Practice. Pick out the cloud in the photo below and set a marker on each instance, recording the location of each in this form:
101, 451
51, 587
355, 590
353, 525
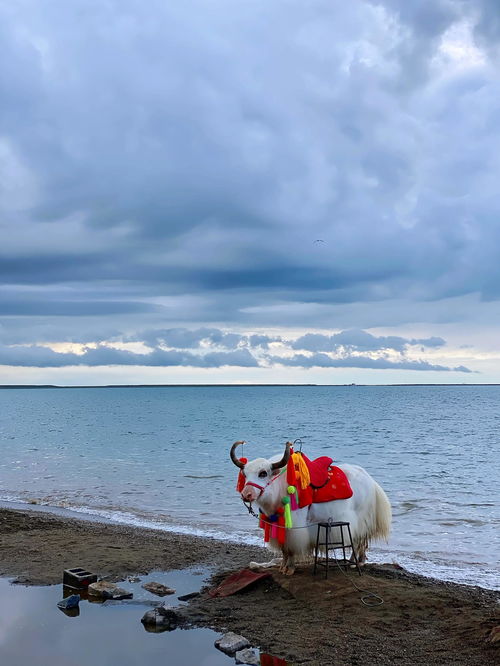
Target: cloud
321, 360
38, 356
172, 173
206, 348
184, 338
357, 339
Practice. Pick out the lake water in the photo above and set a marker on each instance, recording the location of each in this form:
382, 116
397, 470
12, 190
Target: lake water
159, 457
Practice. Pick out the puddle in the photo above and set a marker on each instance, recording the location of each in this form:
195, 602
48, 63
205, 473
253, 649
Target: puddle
34, 631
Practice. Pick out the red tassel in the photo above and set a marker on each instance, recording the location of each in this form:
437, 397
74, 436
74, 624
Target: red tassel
241, 477
267, 531
290, 470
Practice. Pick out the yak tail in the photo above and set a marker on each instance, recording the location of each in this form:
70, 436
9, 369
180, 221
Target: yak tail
383, 515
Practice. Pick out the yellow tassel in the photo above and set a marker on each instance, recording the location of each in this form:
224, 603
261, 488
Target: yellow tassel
301, 471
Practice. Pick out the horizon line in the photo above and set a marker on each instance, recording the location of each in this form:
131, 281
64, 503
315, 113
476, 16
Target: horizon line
236, 385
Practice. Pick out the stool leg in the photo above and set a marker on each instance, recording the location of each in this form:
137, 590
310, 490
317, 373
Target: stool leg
343, 543
353, 550
327, 545
316, 551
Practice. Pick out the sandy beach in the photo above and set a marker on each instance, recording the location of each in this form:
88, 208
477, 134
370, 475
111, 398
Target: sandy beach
304, 619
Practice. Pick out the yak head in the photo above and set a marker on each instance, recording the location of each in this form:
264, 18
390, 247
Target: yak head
259, 483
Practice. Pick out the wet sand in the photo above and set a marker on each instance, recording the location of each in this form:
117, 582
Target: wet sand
304, 619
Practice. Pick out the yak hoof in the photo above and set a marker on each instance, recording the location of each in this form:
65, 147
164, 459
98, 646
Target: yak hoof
287, 569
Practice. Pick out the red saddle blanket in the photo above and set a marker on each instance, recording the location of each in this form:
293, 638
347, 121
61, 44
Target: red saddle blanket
327, 482
318, 469
336, 487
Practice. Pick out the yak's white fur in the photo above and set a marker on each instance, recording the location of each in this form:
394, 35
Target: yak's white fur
368, 511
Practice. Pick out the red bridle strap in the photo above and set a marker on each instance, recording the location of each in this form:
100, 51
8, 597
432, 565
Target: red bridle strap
255, 485
262, 488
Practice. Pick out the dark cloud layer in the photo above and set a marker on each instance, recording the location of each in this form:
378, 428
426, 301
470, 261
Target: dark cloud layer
320, 360
185, 338
361, 340
199, 163
213, 348
36, 356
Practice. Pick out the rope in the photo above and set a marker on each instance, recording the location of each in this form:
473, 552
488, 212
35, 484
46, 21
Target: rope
377, 600
248, 506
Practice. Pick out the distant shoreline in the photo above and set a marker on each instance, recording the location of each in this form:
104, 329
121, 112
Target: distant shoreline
110, 386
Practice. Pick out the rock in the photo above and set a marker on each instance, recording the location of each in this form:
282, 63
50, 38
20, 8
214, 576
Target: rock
69, 602
160, 619
21, 580
134, 579
247, 656
158, 589
231, 643
104, 590
187, 597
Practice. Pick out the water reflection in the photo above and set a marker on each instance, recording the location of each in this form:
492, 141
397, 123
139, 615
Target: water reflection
33, 630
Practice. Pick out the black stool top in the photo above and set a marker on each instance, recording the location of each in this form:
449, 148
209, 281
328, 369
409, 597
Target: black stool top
338, 523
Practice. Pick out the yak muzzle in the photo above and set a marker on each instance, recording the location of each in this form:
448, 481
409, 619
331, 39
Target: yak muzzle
251, 492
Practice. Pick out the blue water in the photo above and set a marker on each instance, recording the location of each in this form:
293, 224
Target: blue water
159, 456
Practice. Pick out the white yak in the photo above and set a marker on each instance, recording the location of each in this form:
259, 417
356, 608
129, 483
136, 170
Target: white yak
368, 511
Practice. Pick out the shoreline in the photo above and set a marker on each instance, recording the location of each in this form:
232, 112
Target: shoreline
125, 518
37, 544
485, 578
303, 618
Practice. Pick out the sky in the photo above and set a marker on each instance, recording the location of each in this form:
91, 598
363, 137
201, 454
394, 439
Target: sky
211, 191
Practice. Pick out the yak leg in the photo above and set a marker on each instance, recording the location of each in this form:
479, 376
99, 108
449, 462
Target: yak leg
288, 565
284, 563
361, 546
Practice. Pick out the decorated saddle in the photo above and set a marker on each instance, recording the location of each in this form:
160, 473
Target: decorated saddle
317, 480
309, 482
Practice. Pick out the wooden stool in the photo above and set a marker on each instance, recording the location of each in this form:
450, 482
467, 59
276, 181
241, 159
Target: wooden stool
333, 545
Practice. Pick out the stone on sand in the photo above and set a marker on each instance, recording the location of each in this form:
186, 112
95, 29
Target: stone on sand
247, 656
104, 590
231, 643
160, 617
158, 589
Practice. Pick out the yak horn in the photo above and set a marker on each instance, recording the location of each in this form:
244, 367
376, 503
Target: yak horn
284, 460
236, 461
